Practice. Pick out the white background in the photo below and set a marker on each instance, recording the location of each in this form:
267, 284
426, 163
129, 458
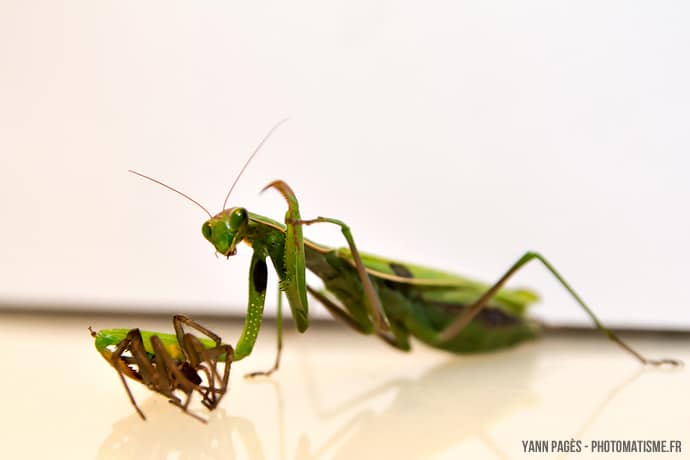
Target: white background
451, 134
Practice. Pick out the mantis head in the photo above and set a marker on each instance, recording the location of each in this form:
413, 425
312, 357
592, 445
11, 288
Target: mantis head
226, 229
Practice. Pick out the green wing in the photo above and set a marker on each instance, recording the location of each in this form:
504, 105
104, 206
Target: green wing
440, 286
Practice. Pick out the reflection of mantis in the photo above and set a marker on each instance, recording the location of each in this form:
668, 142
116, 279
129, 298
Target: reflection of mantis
130, 439
605, 402
169, 364
424, 421
374, 295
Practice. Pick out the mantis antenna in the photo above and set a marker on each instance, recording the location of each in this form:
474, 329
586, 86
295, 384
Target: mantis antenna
251, 157
171, 188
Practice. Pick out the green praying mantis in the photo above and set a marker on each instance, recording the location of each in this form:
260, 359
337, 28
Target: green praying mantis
374, 295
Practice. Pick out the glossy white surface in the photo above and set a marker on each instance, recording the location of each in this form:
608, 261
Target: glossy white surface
340, 395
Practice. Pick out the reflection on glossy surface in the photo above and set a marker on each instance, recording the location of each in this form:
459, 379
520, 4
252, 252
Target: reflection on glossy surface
439, 406
340, 395
418, 403
422, 408
169, 436
462, 404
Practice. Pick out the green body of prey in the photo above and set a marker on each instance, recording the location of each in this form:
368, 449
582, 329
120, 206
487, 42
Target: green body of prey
106, 339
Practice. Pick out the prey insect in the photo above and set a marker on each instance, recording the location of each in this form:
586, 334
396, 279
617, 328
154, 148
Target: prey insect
169, 364
375, 295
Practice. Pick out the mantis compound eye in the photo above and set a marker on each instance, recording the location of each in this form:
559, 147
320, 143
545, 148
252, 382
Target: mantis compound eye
237, 218
206, 230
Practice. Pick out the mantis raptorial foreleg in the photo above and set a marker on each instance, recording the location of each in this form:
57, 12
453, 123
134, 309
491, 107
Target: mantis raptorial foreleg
374, 306
292, 273
279, 334
466, 316
293, 276
258, 279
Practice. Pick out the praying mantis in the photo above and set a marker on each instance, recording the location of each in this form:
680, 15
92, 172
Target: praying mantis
373, 295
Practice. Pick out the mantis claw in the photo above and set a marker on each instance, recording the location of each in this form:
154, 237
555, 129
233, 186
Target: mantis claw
669, 361
253, 375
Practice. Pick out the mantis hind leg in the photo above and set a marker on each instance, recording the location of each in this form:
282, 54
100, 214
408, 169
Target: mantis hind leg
464, 319
291, 268
400, 339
